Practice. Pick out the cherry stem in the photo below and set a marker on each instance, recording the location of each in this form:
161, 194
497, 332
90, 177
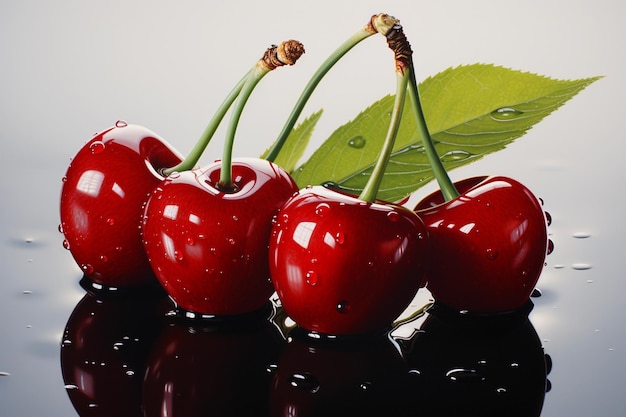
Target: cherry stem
194, 156
370, 190
371, 28
448, 190
286, 53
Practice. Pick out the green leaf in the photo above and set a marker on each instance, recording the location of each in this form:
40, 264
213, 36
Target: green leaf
296, 143
471, 111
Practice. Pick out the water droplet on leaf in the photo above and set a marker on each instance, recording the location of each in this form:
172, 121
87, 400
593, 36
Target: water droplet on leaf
453, 156
506, 113
357, 142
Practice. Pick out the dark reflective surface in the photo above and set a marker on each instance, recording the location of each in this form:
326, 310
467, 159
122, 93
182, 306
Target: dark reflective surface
72, 68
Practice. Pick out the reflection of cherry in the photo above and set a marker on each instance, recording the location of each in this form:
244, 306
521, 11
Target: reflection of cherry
465, 365
103, 352
211, 368
339, 377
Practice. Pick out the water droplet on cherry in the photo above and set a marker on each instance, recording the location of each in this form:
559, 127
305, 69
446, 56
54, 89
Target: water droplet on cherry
104, 258
96, 147
178, 255
548, 218
322, 209
550, 247
357, 142
110, 221
536, 293
340, 238
121, 123
64, 179
492, 254
393, 216
343, 307
311, 278
87, 269
190, 241
60, 228
66, 244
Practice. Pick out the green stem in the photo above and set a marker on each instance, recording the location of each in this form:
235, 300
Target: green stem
448, 190
254, 76
350, 43
373, 183
194, 156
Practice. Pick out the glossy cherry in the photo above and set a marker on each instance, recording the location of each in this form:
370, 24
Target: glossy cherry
488, 245
102, 197
209, 246
344, 266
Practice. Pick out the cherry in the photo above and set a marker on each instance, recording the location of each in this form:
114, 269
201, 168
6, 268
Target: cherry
208, 246
102, 197
343, 264
206, 231
496, 233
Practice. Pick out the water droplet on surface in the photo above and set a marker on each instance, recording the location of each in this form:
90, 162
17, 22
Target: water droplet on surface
190, 241
393, 216
548, 218
96, 147
357, 142
322, 209
64, 179
464, 375
178, 255
130, 372
581, 235
110, 221
453, 156
365, 385
87, 269
536, 293
3, 373
66, 244
581, 266
121, 123
311, 277
501, 390
104, 258
231, 240
506, 113
340, 238
343, 307
304, 381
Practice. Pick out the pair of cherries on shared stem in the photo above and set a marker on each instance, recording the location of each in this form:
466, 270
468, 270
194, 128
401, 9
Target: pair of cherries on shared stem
124, 222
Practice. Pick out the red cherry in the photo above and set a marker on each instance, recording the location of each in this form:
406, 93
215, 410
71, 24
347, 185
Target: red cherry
488, 246
207, 246
102, 198
344, 266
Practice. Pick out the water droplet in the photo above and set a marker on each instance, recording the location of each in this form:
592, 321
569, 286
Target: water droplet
340, 238
110, 221
453, 156
304, 381
322, 209
365, 385
581, 235
506, 113
60, 228
178, 255
66, 244
130, 372
548, 218
536, 293
104, 258
550, 246
343, 307
64, 179
96, 147
501, 390
235, 218
357, 142
581, 266
121, 123
311, 277
492, 254
465, 375
393, 216
231, 240
87, 269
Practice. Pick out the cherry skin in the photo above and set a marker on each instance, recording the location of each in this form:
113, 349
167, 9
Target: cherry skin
209, 247
343, 266
102, 198
488, 246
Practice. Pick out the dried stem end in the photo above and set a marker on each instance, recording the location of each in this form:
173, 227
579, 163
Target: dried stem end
285, 53
382, 23
399, 44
